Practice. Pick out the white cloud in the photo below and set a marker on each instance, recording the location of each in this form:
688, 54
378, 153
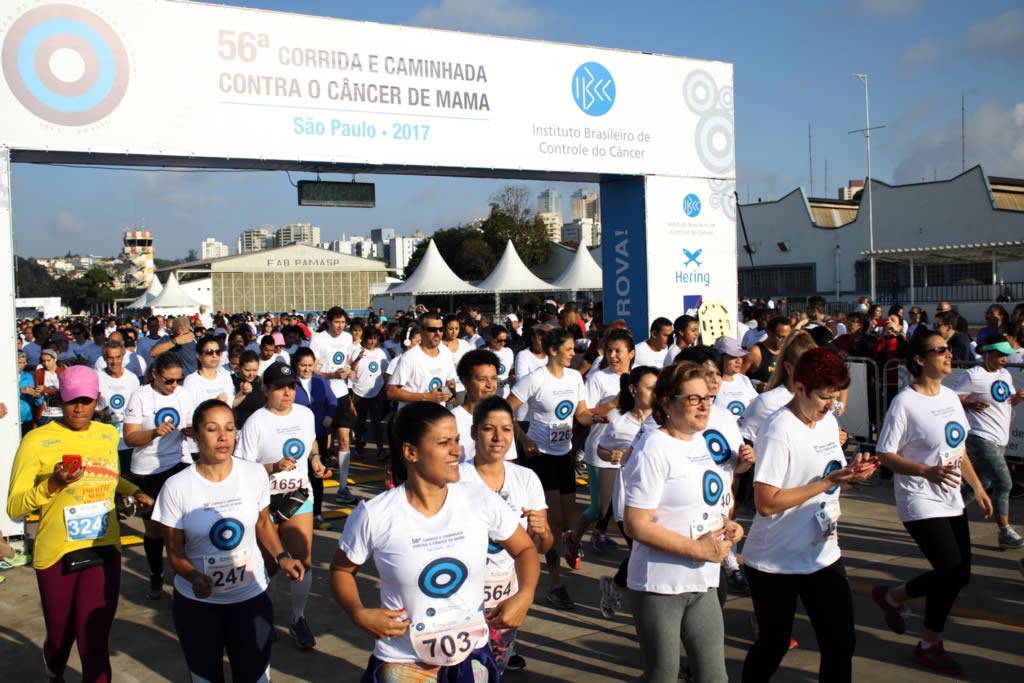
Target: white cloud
887, 8
493, 16
920, 54
995, 139
68, 223
999, 36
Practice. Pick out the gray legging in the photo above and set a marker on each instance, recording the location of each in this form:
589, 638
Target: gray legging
697, 618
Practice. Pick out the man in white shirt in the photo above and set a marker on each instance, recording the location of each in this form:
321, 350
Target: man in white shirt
652, 351
427, 372
205, 318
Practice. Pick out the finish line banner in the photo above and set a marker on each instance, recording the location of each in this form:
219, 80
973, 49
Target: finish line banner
182, 79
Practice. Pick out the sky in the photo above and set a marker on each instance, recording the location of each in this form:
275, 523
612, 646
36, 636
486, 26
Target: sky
793, 61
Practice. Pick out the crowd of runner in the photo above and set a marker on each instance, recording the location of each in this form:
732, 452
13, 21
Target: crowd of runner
220, 430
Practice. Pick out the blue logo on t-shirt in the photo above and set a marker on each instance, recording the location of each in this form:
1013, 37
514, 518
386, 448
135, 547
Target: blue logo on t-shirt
167, 415
829, 469
435, 384
116, 401
374, 366
293, 448
226, 534
442, 578
955, 434
1000, 390
564, 410
712, 486
718, 447
339, 358
736, 408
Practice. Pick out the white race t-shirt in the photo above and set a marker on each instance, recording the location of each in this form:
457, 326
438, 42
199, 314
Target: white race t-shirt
331, 354
621, 432
521, 489
996, 389
929, 430
788, 455
433, 567
506, 361
420, 373
735, 396
680, 482
551, 404
464, 347
148, 408
113, 397
601, 387
645, 355
219, 520
670, 356
370, 373
266, 438
763, 406
464, 423
133, 363
526, 363
203, 389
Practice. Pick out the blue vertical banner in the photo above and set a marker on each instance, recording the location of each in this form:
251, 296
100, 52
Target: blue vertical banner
624, 253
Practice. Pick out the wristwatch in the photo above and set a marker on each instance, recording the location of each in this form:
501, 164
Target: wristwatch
282, 556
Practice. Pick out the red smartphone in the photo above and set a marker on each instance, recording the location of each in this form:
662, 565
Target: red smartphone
71, 463
864, 468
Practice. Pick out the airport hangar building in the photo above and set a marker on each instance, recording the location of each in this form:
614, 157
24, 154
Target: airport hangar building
958, 234
297, 277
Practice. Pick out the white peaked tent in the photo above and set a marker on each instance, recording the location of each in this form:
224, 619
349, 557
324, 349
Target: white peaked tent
512, 275
583, 273
433, 276
173, 300
146, 298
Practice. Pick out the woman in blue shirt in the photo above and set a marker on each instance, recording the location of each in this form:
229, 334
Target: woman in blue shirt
314, 392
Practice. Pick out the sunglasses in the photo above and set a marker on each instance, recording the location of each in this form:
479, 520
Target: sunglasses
433, 330
940, 350
170, 380
210, 352
500, 341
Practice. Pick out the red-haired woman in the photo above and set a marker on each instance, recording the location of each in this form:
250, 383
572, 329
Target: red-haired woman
793, 550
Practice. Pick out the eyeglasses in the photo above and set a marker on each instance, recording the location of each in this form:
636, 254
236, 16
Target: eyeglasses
433, 330
940, 350
696, 400
170, 380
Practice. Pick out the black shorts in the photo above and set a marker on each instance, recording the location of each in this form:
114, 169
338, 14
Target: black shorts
556, 472
343, 416
150, 484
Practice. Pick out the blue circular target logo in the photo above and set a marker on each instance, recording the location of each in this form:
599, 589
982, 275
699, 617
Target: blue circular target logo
736, 408
65, 64
442, 578
1000, 390
493, 548
435, 384
339, 358
116, 401
563, 410
167, 415
501, 370
293, 448
593, 89
374, 366
718, 447
226, 534
712, 487
829, 469
955, 434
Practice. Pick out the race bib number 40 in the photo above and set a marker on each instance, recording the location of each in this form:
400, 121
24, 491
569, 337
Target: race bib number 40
87, 522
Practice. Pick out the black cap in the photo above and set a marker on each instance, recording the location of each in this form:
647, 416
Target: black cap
278, 375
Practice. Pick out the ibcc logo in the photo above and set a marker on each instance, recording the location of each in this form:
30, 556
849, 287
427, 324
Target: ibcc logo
593, 89
691, 205
65, 65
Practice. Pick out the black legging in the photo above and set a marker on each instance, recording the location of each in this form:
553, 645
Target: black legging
946, 542
623, 573
316, 483
826, 597
372, 408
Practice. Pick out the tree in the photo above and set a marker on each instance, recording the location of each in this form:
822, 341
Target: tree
192, 255
33, 280
464, 249
513, 218
81, 293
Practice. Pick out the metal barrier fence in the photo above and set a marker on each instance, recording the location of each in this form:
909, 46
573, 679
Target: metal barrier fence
860, 415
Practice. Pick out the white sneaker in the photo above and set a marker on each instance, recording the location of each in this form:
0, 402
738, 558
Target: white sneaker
611, 598
1009, 539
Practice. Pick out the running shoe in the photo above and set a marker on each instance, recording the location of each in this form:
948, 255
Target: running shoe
302, 634
737, 582
383, 455
558, 597
611, 598
18, 559
572, 552
344, 496
895, 617
515, 663
1009, 539
936, 658
156, 587
322, 524
599, 542
757, 632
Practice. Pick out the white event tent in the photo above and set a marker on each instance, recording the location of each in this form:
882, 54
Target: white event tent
152, 292
512, 275
173, 300
432, 276
582, 274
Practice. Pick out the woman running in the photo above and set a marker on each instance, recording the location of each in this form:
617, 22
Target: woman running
370, 368
155, 426
210, 380
735, 392
519, 487
792, 550
922, 442
314, 392
77, 554
530, 358
673, 513
553, 396
429, 538
281, 436
780, 390
216, 522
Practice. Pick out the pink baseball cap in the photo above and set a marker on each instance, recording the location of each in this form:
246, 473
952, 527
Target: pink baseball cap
278, 339
78, 381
